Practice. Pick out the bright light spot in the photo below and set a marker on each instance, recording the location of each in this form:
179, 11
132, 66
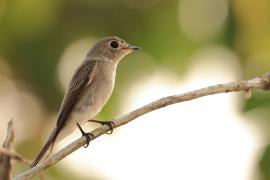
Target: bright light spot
205, 138
19, 104
202, 20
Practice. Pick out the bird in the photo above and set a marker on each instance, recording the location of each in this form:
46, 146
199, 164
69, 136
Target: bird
89, 90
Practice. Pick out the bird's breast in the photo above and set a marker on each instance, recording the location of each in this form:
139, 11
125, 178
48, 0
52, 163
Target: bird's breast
96, 93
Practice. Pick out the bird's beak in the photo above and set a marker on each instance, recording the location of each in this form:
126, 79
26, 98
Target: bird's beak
133, 48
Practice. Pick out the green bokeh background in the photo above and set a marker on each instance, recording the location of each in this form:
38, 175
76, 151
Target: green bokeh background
35, 33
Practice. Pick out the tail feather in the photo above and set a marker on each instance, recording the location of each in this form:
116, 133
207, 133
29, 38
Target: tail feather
44, 150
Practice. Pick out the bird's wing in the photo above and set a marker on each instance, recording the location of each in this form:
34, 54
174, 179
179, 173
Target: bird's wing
83, 76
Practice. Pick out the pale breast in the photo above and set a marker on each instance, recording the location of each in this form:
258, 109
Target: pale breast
97, 93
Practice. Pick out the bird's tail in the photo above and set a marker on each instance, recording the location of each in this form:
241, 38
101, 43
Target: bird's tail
44, 151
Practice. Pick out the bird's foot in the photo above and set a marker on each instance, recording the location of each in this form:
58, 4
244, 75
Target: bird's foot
111, 124
86, 135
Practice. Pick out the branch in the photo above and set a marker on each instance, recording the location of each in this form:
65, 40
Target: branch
262, 83
15, 156
5, 161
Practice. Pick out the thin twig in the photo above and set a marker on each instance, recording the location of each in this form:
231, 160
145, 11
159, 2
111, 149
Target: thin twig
15, 156
5, 161
262, 83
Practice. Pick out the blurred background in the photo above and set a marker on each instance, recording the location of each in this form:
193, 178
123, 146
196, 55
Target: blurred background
186, 44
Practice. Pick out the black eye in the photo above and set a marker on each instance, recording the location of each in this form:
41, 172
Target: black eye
114, 44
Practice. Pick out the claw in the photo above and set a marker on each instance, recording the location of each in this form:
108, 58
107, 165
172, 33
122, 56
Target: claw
86, 135
111, 124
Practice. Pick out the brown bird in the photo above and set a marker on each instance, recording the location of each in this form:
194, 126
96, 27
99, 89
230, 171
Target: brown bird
89, 90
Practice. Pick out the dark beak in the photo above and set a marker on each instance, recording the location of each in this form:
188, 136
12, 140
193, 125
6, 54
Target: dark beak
132, 47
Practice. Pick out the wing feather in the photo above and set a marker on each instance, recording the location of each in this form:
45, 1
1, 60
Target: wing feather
82, 76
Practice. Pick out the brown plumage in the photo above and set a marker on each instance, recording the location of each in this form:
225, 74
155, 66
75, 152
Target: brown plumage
89, 89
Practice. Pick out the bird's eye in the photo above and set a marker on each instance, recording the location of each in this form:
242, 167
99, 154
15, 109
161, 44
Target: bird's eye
114, 44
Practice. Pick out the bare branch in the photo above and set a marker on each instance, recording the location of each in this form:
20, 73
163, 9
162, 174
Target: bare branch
15, 156
262, 83
5, 161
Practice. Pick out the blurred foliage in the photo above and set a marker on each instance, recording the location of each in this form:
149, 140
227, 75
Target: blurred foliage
265, 164
35, 33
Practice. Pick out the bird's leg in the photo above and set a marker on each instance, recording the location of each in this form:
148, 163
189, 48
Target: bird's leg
86, 135
111, 124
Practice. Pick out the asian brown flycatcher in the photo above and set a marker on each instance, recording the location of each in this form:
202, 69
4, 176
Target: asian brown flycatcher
89, 90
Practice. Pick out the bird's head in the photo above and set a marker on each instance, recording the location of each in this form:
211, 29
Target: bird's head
112, 48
